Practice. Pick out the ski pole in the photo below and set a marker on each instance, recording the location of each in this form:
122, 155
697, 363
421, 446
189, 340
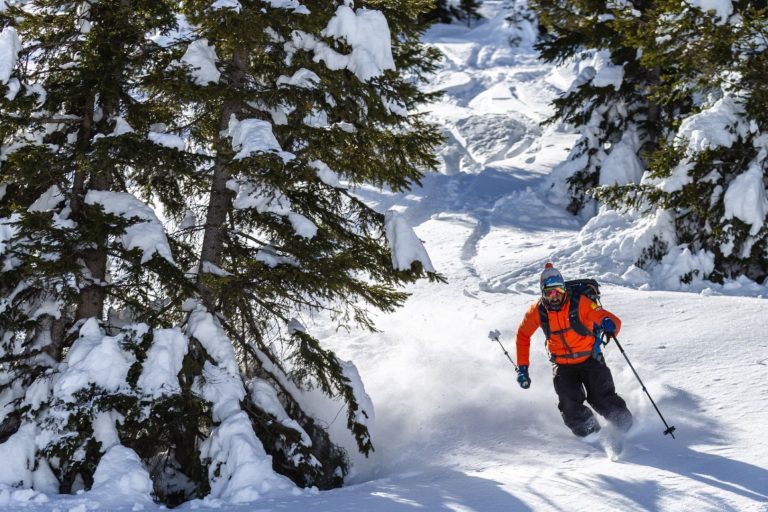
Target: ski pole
669, 429
494, 335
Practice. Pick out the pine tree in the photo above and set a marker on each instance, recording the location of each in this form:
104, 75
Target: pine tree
443, 11
78, 239
683, 68
713, 187
249, 148
448, 11
468, 10
609, 103
282, 236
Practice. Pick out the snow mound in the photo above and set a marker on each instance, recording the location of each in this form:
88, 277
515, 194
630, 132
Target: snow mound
405, 245
367, 32
121, 473
18, 456
488, 138
93, 359
161, 368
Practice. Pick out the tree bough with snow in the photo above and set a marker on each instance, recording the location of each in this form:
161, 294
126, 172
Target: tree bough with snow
670, 113
174, 197
709, 172
609, 102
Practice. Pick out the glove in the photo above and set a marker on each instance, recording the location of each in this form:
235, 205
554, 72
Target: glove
522, 377
609, 328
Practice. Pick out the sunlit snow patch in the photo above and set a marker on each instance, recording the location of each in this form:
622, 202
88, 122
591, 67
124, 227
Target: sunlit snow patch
146, 235
201, 58
405, 245
10, 46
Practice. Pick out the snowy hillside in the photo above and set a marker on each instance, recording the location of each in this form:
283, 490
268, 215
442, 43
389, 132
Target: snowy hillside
453, 431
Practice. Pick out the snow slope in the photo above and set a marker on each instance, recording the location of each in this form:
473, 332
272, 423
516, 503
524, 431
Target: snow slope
453, 430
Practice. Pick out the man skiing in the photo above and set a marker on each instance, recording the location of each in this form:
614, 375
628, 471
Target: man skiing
579, 369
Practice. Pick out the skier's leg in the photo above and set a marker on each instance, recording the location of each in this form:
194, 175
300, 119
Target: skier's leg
570, 393
601, 394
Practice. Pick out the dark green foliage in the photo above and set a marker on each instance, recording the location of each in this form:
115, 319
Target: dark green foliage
110, 78
67, 256
442, 11
578, 31
323, 465
468, 11
678, 61
448, 11
700, 56
55, 263
345, 266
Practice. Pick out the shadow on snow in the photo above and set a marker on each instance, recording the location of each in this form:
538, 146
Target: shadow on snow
433, 491
502, 198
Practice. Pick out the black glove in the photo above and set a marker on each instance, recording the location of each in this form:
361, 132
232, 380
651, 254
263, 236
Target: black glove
522, 377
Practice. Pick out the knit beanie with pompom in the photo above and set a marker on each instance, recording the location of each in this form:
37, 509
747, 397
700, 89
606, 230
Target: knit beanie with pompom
550, 277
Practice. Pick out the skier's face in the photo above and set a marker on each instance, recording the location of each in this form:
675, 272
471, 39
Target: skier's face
554, 296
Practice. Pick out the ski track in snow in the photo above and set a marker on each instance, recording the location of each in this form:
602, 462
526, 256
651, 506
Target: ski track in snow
453, 431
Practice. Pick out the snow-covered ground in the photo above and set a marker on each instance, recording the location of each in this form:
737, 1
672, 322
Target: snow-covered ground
453, 431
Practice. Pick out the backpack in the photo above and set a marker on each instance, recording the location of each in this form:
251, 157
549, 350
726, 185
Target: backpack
575, 288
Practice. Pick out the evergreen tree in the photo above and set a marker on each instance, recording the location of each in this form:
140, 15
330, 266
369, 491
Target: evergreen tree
183, 345
709, 174
448, 11
79, 240
443, 11
282, 236
609, 102
80, 244
468, 11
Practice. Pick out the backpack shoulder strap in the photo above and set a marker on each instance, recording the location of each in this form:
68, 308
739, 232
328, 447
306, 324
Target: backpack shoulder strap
544, 319
574, 318
575, 293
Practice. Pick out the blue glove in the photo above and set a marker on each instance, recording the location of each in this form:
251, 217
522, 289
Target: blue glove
609, 329
522, 377
608, 326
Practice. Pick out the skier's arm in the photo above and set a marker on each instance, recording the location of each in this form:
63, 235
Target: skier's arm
528, 326
594, 314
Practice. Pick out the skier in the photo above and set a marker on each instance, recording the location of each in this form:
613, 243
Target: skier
580, 371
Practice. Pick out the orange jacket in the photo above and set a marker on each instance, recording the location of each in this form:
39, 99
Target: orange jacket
564, 345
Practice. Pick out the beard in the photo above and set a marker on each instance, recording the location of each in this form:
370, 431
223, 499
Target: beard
555, 304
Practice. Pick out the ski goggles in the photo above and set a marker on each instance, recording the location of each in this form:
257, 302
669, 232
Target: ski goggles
553, 291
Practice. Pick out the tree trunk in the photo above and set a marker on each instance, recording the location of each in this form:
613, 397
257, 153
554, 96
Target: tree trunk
91, 303
220, 201
91, 300
653, 127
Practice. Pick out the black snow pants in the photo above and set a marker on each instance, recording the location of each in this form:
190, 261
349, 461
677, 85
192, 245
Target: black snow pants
590, 381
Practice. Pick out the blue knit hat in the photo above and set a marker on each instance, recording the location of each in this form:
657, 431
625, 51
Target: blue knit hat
550, 277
